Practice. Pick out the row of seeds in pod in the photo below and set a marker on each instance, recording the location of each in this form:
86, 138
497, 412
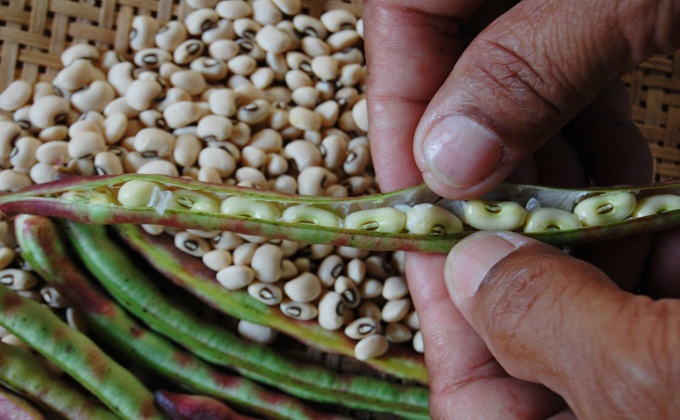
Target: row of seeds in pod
296, 123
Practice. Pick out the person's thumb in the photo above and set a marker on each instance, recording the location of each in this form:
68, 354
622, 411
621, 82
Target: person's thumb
555, 320
524, 77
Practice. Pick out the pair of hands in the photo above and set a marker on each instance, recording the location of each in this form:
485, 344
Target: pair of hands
514, 328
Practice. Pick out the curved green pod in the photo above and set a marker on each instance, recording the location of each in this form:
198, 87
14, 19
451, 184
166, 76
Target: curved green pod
184, 203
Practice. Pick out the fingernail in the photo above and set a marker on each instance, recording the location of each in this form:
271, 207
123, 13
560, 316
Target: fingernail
461, 152
470, 261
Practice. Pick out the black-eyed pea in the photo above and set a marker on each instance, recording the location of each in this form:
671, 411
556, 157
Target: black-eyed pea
304, 288
268, 140
309, 26
347, 288
217, 158
242, 64
395, 288
243, 253
338, 19
317, 252
304, 118
362, 327
254, 112
201, 20
246, 28
17, 279
330, 269
93, 97
331, 311
325, 67
184, 113
235, 277
349, 252
121, 77
16, 95
303, 264
289, 7
256, 333
314, 46
7, 235
73, 77
142, 93
252, 156
53, 152
370, 288
152, 58
9, 133
143, 32
306, 96
170, 35
412, 320
233, 9
398, 333
83, 166
152, 118
76, 320
314, 180
277, 62
191, 244
159, 167
191, 81
186, 149
356, 270
214, 128
188, 51
121, 106
262, 77
297, 78
251, 175
329, 111
23, 154
227, 241
265, 12
266, 263
351, 55
347, 97
276, 165
223, 29
217, 259
398, 261
114, 128
79, 51
86, 144
7, 255
41, 89
211, 69
326, 89
272, 39
108, 163
109, 59
605, 208
209, 174
395, 310
342, 39
288, 269
357, 160
267, 293
299, 310
278, 116
52, 297
336, 191
224, 49
255, 239
418, 343
22, 117
172, 96
303, 153
360, 114
285, 184
352, 74
48, 111
378, 267
223, 102
371, 347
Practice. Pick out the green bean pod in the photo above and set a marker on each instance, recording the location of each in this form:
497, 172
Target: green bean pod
46, 253
189, 407
133, 289
195, 278
26, 374
183, 203
77, 355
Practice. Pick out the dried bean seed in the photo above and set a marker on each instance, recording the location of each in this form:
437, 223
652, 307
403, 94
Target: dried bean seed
347, 288
395, 310
304, 288
16, 95
371, 347
269, 294
235, 277
233, 9
418, 344
266, 263
171, 35
362, 327
398, 333
370, 288
256, 333
191, 244
17, 279
299, 310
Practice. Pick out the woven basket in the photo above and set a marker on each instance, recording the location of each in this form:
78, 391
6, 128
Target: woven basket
34, 33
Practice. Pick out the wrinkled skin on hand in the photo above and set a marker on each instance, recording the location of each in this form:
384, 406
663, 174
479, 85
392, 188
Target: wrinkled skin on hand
535, 98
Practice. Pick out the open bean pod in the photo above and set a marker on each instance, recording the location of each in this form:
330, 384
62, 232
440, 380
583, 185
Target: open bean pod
413, 219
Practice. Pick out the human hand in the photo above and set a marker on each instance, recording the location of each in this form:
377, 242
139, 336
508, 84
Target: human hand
541, 68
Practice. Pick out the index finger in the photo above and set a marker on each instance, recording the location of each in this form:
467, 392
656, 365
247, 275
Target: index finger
411, 47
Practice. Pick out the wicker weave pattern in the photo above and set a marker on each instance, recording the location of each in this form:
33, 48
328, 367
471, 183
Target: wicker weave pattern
33, 33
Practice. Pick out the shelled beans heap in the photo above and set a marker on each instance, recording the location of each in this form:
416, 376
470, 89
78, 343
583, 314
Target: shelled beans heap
245, 93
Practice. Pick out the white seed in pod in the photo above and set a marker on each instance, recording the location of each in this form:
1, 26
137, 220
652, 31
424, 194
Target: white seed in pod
299, 310
227, 241
23, 155
395, 288
330, 269
395, 310
16, 95
233, 9
545, 219
171, 35
370, 288
266, 263
256, 333
371, 347
191, 244
385, 219
605, 208
304, 118
235, 277
214, 128
86, 145
656, 204
17, 279
137, 193
481, 214
267, 293
217, 259
362, 327
348, 290
418, 343
48, 111
331, 311
398, 333
304, 288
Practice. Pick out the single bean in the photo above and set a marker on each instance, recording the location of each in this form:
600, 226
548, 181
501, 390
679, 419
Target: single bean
546, 219
486, 215
605, 208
